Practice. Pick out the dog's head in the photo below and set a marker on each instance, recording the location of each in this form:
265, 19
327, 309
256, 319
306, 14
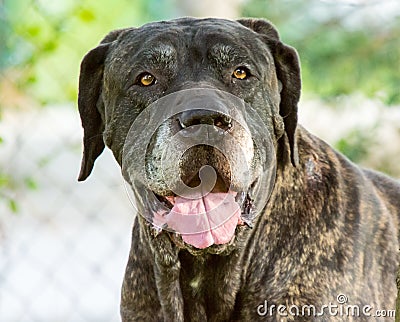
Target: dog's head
196, 111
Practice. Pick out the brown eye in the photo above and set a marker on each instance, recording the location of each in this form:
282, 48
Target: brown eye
240, 73
147, 79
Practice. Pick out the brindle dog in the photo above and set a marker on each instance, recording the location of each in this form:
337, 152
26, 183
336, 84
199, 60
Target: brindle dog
329, 228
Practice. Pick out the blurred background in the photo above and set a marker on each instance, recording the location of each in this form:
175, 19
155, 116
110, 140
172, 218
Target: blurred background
64, 245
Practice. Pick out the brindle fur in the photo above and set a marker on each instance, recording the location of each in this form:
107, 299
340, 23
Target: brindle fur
329, 227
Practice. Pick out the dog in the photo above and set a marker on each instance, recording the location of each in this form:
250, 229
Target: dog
179, 102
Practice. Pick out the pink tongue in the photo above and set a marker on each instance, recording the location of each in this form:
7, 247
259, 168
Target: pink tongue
205, 221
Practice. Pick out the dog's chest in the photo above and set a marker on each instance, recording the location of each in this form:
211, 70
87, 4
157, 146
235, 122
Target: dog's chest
209, 284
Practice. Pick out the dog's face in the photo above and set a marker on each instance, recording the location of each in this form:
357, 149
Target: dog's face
195, 112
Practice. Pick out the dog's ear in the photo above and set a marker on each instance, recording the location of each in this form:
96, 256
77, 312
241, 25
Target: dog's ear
90, 86
288, 72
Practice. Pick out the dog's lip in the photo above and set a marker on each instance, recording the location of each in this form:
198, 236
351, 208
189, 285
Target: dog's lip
169, 200
214, 249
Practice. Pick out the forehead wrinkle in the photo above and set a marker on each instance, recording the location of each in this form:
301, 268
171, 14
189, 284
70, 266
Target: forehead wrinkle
223, 54
160, 56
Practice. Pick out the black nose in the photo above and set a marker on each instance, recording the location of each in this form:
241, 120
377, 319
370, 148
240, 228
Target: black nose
198, 116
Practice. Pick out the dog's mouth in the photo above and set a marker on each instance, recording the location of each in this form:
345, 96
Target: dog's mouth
242, 198
210, 219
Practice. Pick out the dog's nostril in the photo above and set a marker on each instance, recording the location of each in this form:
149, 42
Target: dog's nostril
223, 122
195, 122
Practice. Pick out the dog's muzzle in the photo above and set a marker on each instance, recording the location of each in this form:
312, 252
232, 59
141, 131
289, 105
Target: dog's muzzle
200, 163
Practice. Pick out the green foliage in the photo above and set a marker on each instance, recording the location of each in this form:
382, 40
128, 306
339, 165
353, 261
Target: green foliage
337, 59
12, 204
9, 185
355, 145
47, 40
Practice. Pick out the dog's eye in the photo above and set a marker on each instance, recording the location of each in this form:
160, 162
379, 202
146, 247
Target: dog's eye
241, 73
146, 79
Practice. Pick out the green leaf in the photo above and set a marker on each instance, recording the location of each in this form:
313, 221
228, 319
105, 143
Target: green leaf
31, 183
12, 204
86, 15
355, 144
49, 46
33, 31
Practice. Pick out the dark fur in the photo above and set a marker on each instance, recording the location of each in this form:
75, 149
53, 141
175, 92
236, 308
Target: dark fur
329, 227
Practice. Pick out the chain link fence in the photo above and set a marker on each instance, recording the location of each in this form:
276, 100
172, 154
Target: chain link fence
64, 252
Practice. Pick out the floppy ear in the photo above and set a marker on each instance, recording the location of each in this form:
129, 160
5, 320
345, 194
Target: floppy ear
288, 72
90, 86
